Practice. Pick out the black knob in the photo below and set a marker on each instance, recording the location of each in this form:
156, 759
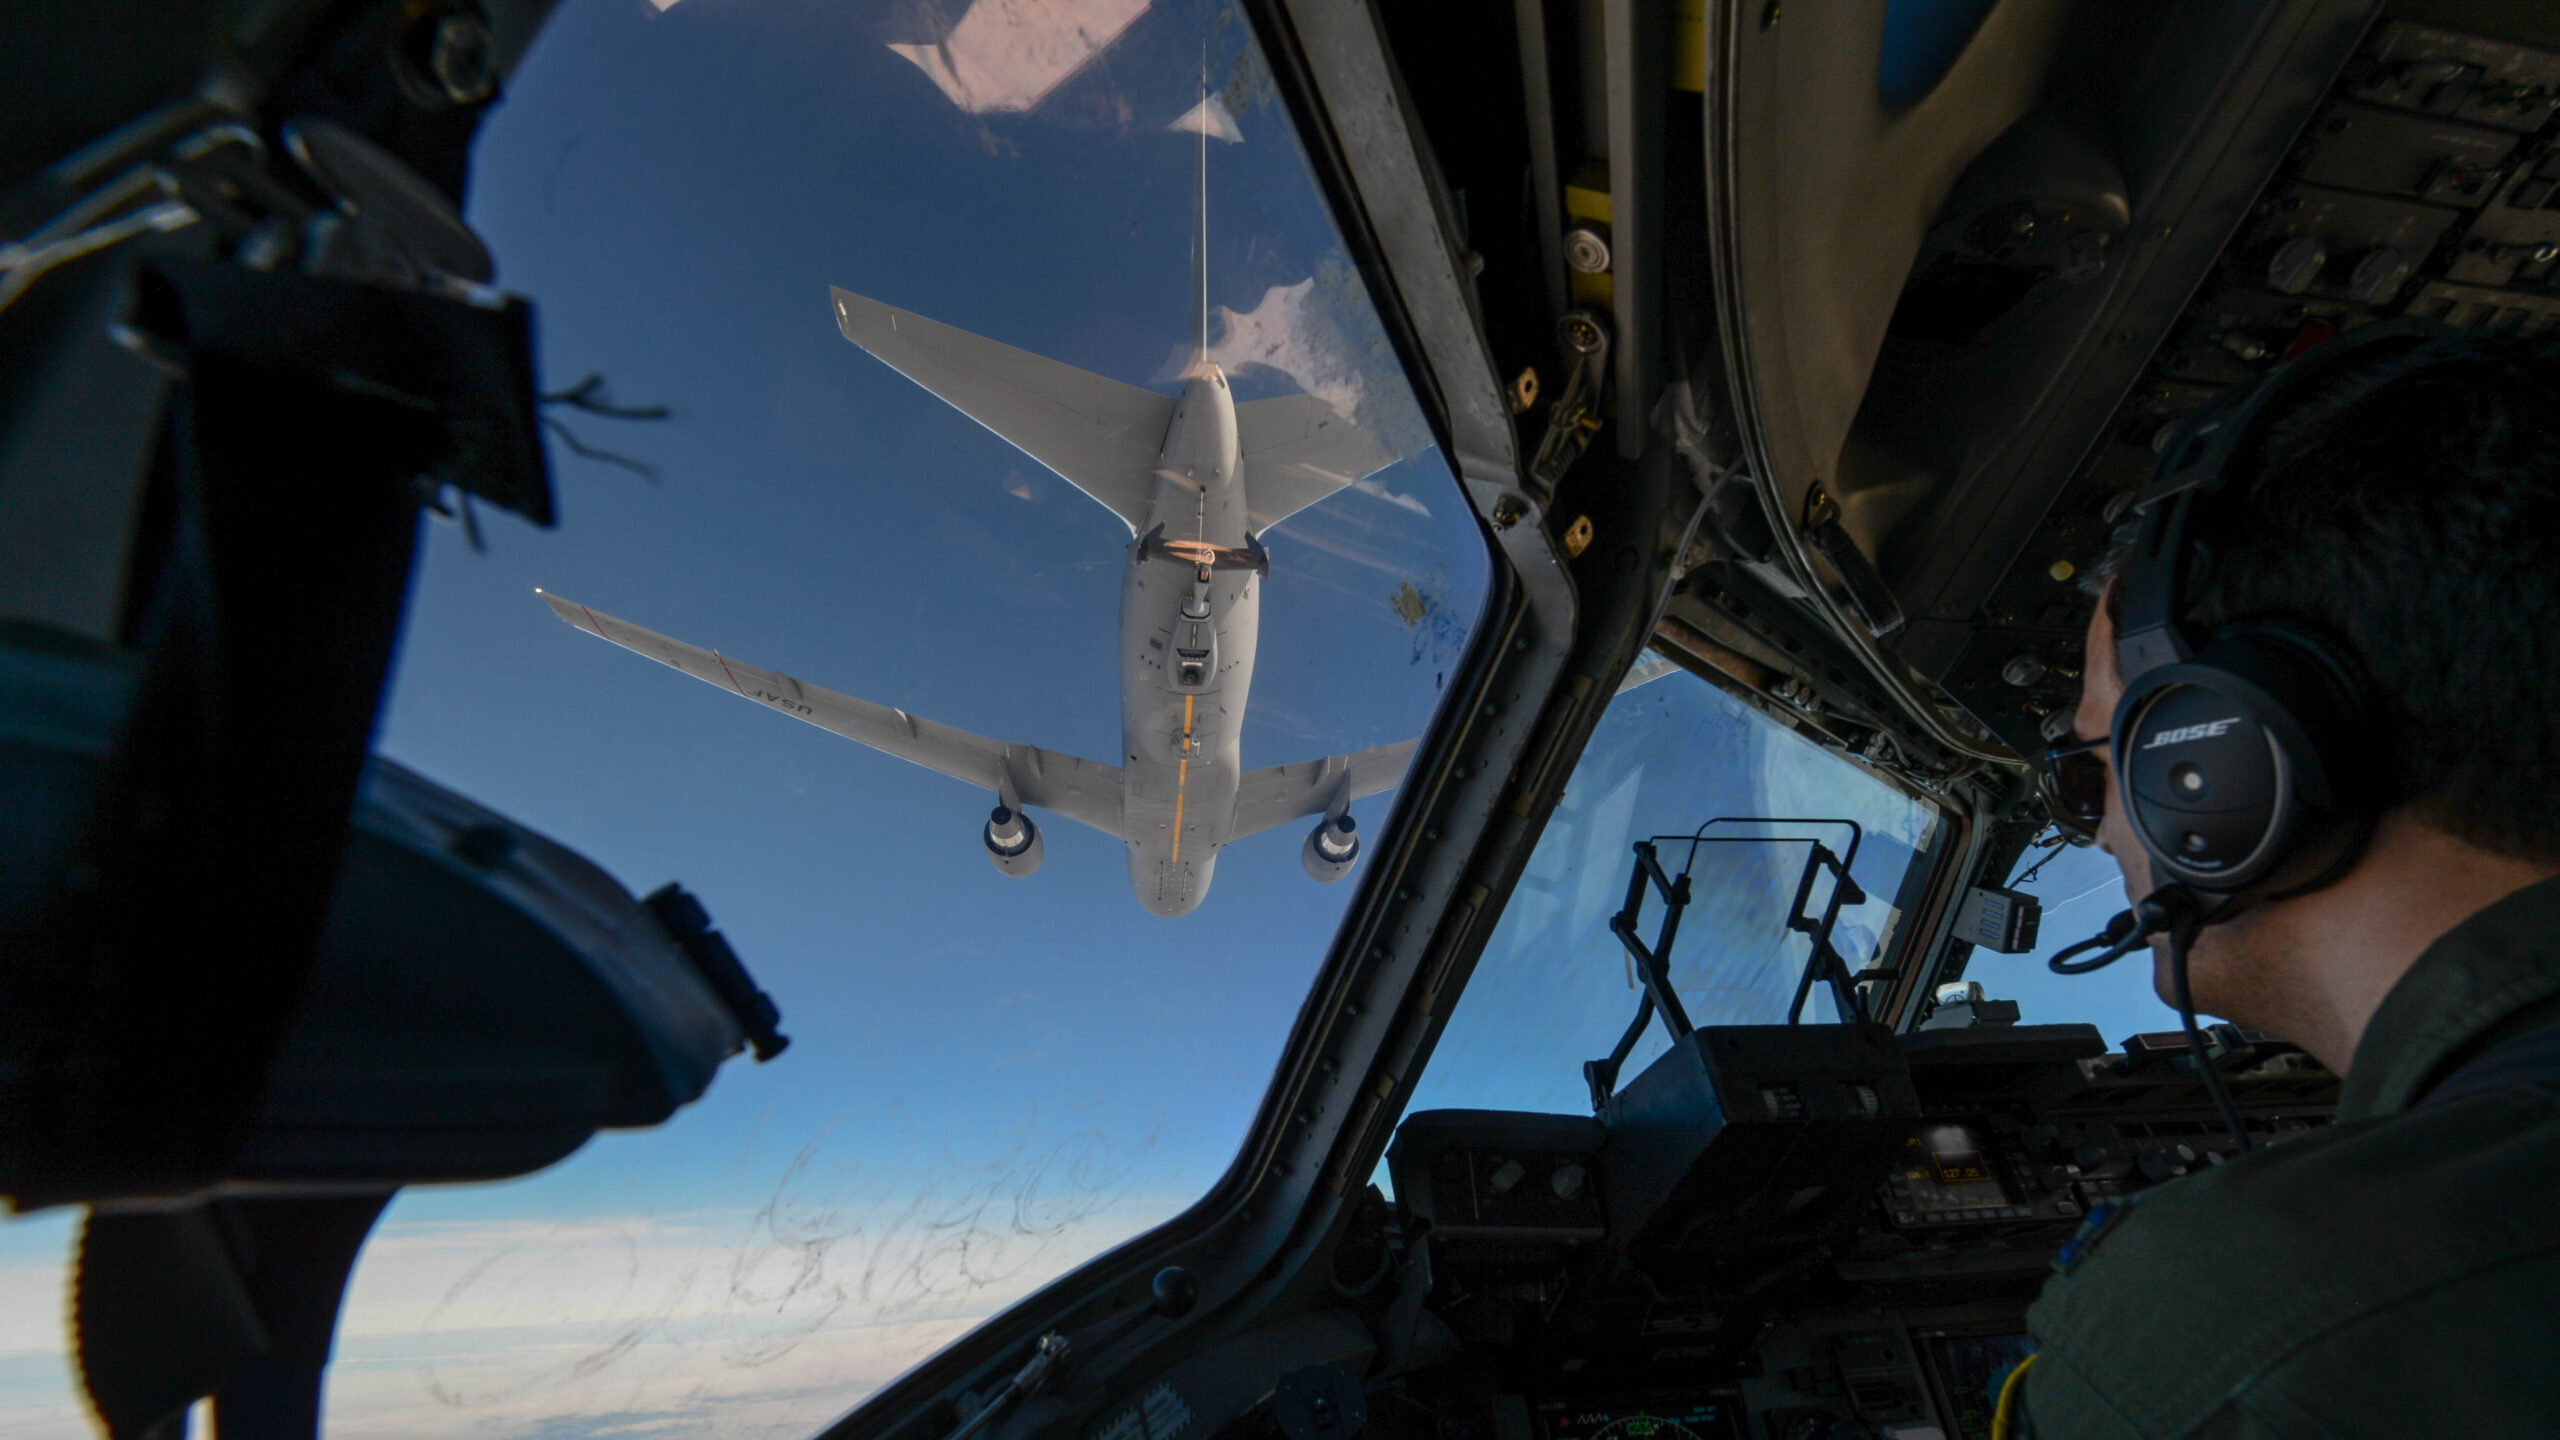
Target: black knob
2296, 264
2378, 276
1176, 1292
2159, 1165
1567, 1181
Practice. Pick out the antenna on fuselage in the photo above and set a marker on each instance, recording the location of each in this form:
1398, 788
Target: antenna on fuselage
1203, 120
1200, 235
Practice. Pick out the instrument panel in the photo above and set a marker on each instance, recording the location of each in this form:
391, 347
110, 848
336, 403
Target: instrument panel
1689, 1417
2427, 185
1699, 1264
1854, 1375
1956, 1173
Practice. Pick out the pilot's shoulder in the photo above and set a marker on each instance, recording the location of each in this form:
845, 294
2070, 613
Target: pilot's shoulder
2248, 1289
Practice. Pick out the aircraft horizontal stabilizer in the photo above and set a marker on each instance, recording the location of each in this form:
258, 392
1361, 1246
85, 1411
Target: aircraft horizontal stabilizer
1080, 790
1282, 793
1099, 435
1297, 450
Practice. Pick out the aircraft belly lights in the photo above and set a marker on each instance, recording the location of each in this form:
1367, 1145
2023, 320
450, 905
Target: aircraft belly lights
1198, 479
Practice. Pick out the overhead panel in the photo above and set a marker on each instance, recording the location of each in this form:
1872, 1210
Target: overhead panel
2426, 184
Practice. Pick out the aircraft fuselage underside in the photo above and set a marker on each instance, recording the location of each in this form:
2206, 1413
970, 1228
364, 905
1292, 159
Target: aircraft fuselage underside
1190, 621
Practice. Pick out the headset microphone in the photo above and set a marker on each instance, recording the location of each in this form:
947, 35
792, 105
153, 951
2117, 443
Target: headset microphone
2177, 912
2163, 911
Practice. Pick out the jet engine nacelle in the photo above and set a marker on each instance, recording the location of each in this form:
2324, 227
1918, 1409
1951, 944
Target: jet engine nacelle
1331, 849
1013, 842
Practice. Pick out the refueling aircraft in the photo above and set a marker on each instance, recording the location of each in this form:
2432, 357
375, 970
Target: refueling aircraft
1199, 479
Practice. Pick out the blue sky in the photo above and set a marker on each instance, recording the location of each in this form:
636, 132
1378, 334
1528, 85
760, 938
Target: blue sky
2081, 889
1553, 988
991, 1079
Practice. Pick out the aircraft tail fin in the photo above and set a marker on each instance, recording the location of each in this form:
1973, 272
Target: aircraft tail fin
1200, 251
1297, 450
1097, 434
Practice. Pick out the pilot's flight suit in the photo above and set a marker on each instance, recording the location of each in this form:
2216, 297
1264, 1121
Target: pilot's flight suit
2397, 1274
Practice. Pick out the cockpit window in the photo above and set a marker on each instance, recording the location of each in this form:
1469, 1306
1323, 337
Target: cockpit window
1556, 988
2080, 889
1005, 611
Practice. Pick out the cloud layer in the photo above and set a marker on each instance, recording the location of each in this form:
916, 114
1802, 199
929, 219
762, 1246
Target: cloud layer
766, 1322
1007, 55
1291, 333
767, 1318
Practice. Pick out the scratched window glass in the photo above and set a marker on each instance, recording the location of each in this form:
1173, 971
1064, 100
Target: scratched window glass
1555, 987
1002, 571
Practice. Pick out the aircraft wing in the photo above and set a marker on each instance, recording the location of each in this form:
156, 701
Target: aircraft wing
1282, 793
1297, 450
1080, 790
1099, 435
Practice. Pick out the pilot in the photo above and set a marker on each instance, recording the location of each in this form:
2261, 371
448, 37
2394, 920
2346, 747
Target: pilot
2398, 1272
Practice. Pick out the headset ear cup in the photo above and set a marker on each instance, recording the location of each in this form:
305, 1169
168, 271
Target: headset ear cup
2235, 767
2320, 705
2205, 784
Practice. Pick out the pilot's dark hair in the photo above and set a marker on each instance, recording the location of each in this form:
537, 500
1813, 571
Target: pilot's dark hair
2409, 510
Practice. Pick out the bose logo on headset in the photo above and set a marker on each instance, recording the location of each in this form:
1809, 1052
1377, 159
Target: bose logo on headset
2185, 733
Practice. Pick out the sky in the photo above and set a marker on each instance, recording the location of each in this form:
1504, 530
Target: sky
1555, 988
991, 1079
2081, 889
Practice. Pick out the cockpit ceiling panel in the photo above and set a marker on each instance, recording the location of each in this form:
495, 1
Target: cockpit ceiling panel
1830, 194
1931, 314
2396, 198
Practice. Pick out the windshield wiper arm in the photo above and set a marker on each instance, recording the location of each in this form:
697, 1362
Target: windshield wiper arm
1653, 962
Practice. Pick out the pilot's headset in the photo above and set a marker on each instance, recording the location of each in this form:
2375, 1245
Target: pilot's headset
2245, 757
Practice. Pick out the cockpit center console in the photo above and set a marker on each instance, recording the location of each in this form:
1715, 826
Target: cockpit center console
1794, 1232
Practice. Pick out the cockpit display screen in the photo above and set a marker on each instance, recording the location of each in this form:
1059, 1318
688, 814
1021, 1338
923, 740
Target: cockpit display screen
1970, 1368
1946, 1172
1709, 1417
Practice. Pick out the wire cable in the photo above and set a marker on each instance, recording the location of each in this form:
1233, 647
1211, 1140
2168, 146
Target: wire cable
2182, 938
2010, 1404
2164, 911
2179, 913
2053, 848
